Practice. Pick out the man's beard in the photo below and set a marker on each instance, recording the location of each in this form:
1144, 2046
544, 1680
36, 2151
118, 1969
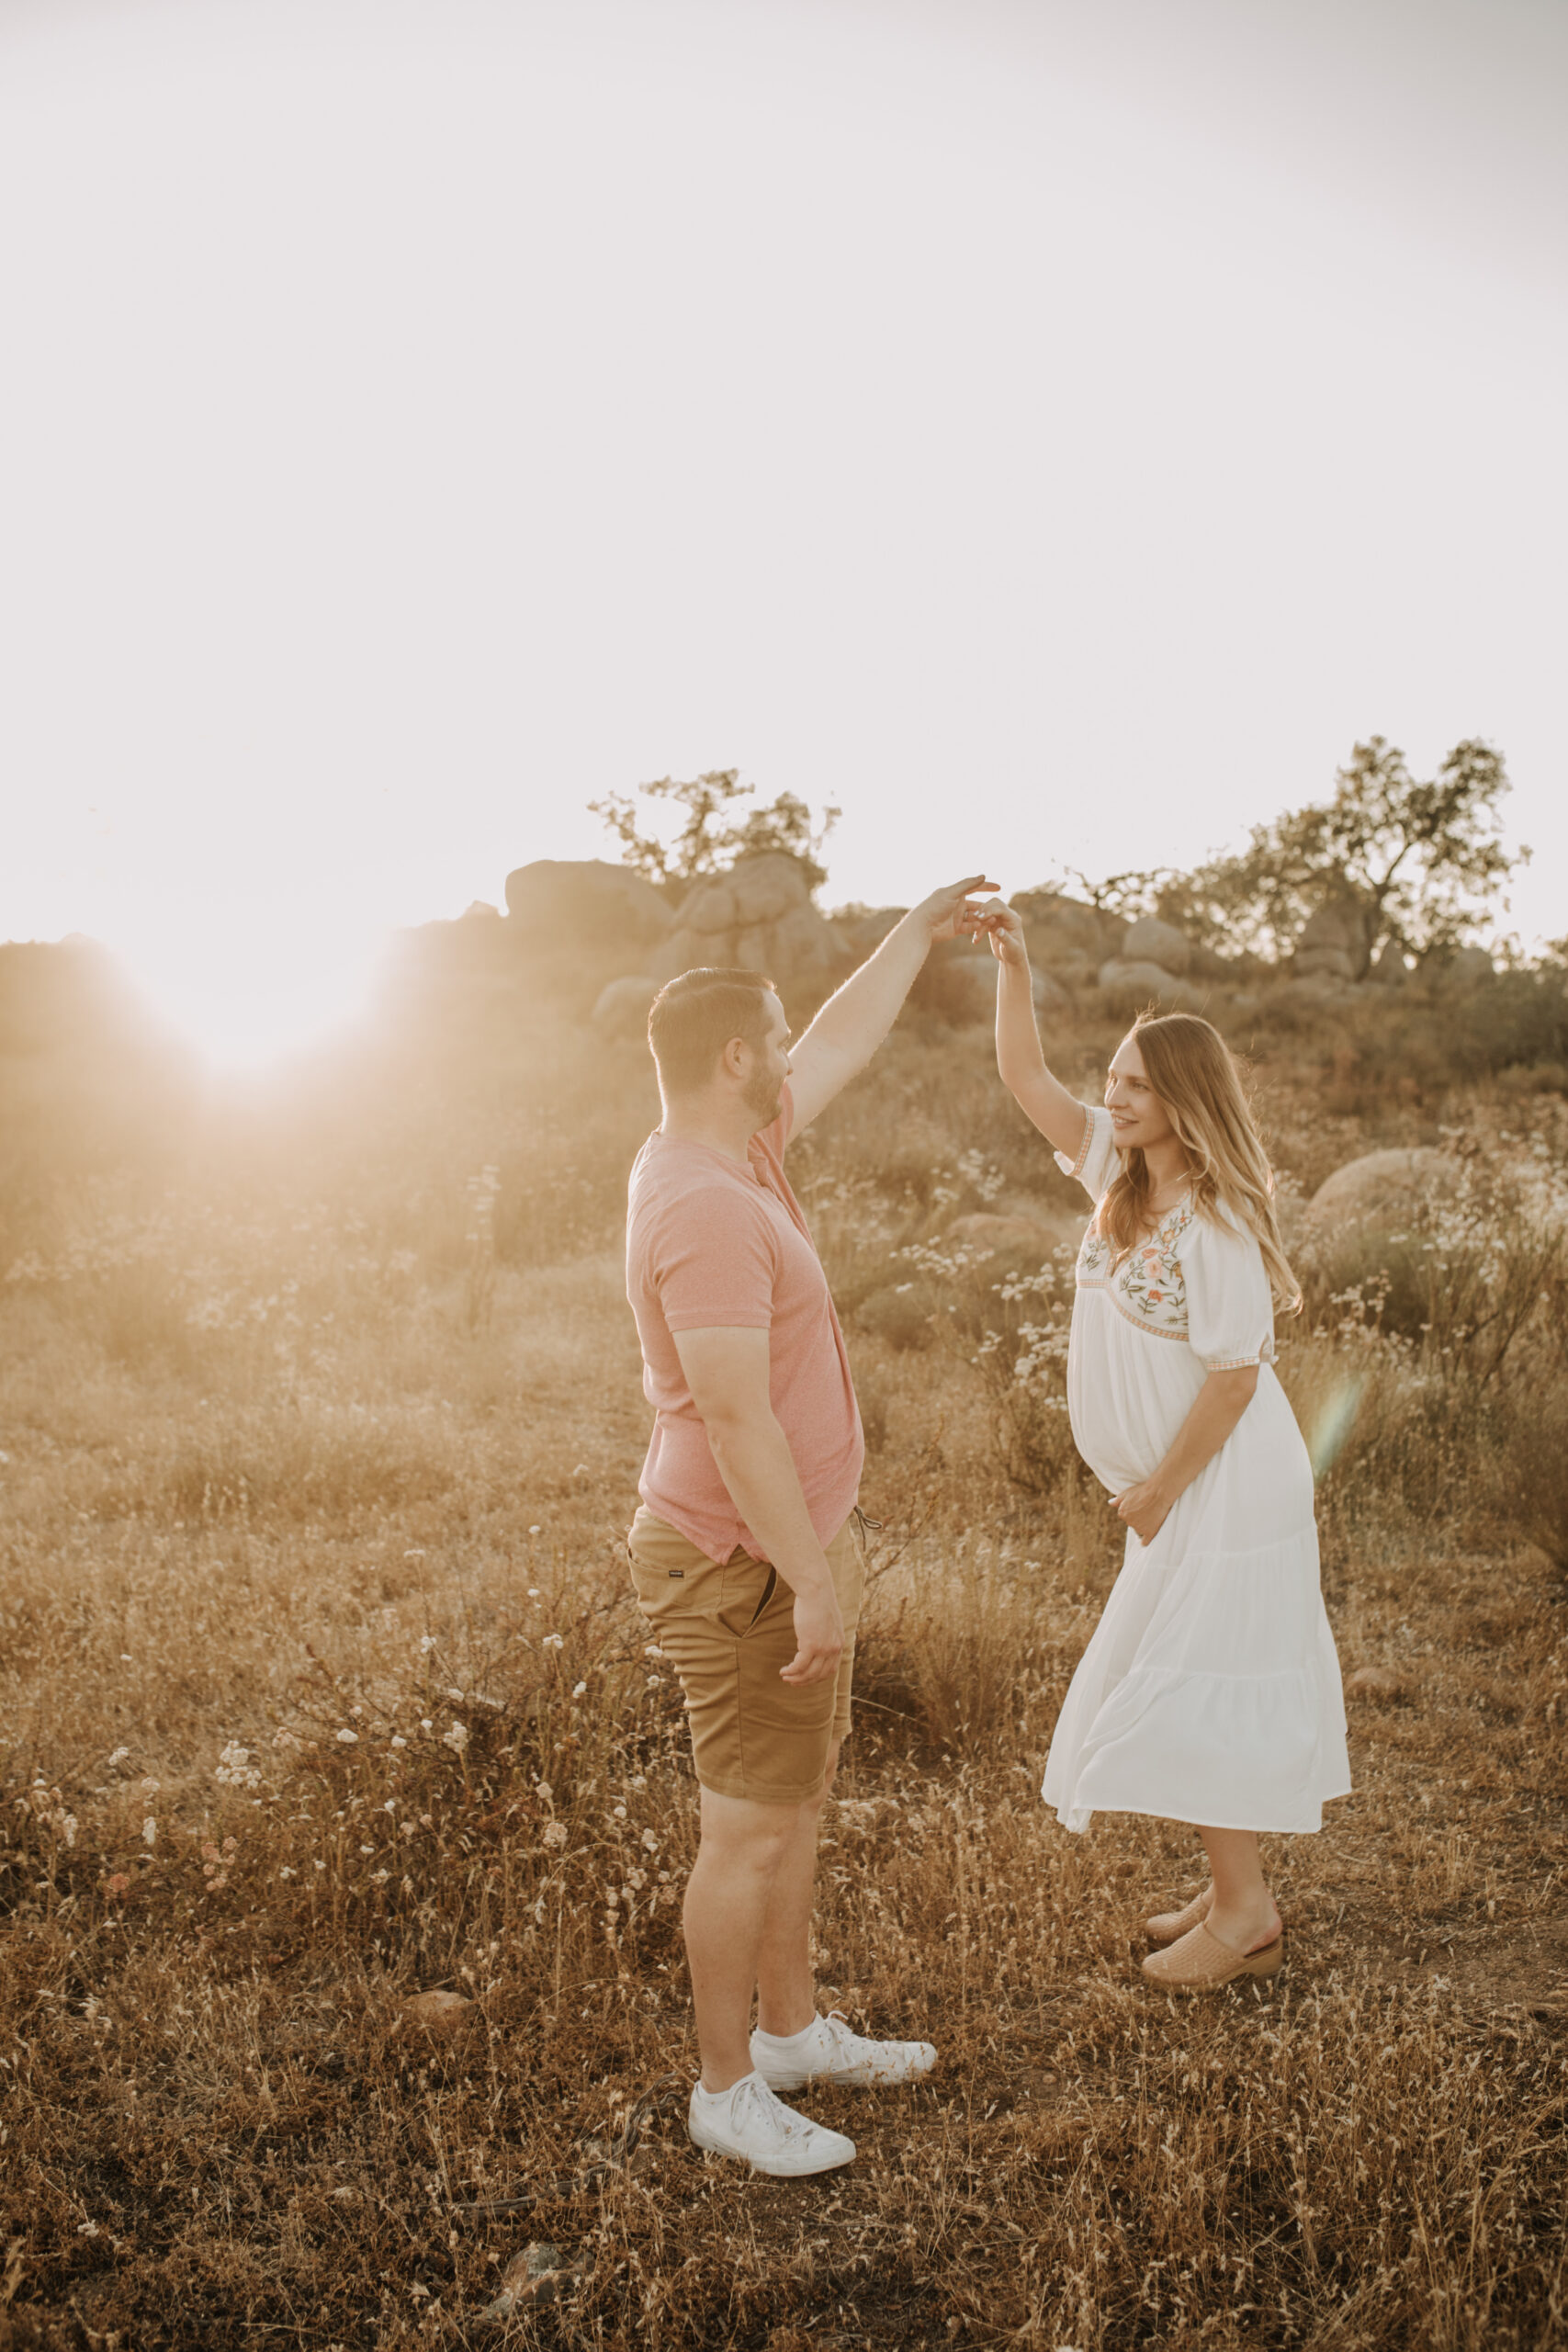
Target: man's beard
761, 1098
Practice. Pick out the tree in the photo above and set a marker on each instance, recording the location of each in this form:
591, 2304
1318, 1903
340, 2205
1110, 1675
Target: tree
712, 835
1422, 862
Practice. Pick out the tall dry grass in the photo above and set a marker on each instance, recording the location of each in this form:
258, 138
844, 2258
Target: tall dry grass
319, 1689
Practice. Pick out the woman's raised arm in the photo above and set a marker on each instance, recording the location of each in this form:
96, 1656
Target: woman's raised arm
1058, 1115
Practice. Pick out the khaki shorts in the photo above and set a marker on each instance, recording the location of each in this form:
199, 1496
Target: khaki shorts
728, 1628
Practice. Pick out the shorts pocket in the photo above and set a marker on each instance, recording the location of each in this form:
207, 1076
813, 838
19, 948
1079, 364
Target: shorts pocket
748, 1586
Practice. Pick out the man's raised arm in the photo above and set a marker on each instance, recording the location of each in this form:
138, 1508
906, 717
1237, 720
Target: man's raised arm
854, 1020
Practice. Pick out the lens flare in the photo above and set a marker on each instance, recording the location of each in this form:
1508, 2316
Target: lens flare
1333, 1423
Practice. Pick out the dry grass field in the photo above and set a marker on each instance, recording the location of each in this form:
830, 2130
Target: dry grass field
320, 1690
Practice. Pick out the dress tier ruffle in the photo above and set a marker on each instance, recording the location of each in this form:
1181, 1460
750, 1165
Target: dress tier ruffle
1209, 1691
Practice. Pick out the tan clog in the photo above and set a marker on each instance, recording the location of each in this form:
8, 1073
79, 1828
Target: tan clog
1165, 1925
1200, 1961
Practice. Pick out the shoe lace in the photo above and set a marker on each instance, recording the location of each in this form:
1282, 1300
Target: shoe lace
752, 2091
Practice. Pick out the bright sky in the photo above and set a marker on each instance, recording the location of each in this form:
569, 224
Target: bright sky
1055, 432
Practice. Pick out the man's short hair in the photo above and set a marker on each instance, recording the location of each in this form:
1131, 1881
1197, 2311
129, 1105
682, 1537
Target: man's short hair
693, 1019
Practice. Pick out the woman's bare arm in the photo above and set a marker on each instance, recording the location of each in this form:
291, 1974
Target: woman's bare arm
1058, 1115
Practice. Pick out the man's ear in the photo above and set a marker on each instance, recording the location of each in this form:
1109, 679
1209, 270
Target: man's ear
732, 1061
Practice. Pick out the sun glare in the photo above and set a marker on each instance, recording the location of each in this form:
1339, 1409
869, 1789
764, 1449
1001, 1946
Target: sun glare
248, 1003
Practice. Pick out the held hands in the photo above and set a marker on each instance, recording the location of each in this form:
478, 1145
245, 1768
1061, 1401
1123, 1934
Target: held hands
1004, 930
1144, 1508
818, 1635
947, 912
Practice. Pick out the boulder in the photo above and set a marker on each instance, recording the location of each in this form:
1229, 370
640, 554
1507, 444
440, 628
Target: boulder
568, 901
622, 1008
804, 943
1344, 928
1386, 1189
709, 907
1050, 996
1132, 986
1322, 964
860, 931
797, 945
1150, 941
768, 888
1062, 930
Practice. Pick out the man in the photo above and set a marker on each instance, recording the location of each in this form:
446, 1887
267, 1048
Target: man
747, 1552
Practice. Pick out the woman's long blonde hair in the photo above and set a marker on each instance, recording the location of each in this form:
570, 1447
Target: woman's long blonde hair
1193, 1072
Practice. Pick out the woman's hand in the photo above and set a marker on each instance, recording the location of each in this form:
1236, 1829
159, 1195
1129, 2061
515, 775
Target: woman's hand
1004, 929
1145, 1508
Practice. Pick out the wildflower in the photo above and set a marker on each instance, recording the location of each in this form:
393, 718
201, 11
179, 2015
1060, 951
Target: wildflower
619, 1810
286, 1871
149, 1831
427, 1643
534, 1530
118, 1756
651, 1649
553, 1642
579, 1689
234, 1767
456, 1738
368, 1850
650, 1842
554, 1832
282, 1738
347, 1738
118, 1885
398, 1740
457, 1696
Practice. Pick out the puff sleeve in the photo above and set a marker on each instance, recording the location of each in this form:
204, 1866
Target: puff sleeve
1097, 1162
1230, 1308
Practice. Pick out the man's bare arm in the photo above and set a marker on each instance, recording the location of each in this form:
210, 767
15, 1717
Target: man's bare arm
857, 1017
728, 1373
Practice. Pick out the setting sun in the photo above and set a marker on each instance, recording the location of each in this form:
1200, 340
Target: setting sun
247, 999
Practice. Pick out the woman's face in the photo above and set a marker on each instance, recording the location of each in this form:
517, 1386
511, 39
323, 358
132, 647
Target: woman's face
1138, 1115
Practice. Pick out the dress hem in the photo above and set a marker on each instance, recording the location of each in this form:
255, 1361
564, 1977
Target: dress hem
1075, 1827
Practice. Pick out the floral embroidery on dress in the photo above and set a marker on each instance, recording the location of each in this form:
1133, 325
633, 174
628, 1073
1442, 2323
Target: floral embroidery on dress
1148, 1287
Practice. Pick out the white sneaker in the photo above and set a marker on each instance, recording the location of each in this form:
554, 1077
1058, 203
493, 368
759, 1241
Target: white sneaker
748, 2122
827, 2049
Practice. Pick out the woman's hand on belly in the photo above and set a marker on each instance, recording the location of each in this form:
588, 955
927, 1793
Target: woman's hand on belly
1145, 1508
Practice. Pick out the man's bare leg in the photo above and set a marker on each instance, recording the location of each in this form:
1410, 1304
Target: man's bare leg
786, 1997
726, 1912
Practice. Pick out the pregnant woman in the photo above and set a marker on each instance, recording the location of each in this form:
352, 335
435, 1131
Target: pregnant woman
1210, 1692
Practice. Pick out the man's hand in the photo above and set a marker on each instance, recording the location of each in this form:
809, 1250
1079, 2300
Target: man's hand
820, 1638
947, 913
1145, 1508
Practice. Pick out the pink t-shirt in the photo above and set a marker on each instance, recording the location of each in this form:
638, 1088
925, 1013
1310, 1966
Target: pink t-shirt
712, 1245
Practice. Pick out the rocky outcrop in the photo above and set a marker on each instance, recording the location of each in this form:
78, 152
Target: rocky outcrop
1336, 940
1150, 941
1383, 1189
758, 918
1066, 934
1131, 987
620, 1010
583, 903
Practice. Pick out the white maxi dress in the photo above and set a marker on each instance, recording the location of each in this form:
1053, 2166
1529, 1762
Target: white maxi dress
1209, 1691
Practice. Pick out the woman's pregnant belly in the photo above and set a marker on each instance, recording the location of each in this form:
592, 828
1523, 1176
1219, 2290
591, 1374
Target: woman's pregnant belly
1128, 1392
